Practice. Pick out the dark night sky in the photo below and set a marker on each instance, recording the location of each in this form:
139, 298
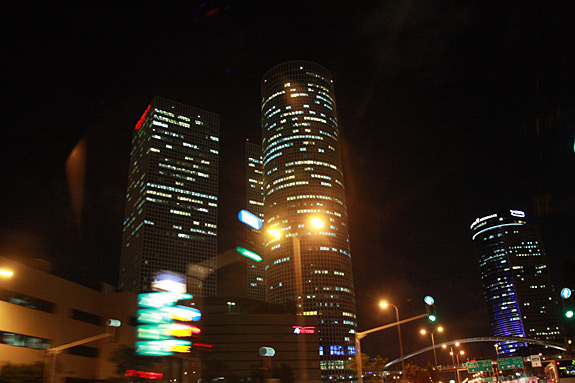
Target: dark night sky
439, 103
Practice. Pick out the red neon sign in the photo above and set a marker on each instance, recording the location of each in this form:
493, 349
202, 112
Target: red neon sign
303, 330
143, 118
144, 374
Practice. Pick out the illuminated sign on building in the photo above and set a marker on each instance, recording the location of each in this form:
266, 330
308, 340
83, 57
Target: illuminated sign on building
169, 281
144, 374
143, 118
156, 328
157, 331
478, 220
183, 330
303, 330
185, 313
517, 213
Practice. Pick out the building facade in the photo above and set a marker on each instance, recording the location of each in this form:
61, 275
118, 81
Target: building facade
39, 312
171, 202
239, 328
255, 204
302, 180
517, 284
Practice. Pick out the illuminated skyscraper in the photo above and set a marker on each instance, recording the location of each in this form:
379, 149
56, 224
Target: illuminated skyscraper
255, 205
303, 179
171, 203
516, 281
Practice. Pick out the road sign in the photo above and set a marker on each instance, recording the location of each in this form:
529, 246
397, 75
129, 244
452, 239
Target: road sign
510, 363
479, 366
536, 361
488, 379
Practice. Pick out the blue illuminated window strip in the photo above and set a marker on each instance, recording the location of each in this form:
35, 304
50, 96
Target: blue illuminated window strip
496, 227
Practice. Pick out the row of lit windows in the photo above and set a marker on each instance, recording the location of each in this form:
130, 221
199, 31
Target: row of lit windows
271, 97
297, 183
182, 191
166, 119
337, 350
311, 162
171, 167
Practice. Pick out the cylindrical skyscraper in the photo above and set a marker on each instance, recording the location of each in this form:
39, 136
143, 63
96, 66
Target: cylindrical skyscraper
303, 180
517, 285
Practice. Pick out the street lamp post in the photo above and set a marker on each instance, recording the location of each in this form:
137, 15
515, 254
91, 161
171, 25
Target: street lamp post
453, 357
360, 335
423, 332
52, 353
317, 223
384, 304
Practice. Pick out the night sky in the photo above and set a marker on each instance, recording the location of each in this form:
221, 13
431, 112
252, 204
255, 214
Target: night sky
449, 110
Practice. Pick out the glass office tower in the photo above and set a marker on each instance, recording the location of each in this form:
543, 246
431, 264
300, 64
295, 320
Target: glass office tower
516, 281
171, 202
303, 179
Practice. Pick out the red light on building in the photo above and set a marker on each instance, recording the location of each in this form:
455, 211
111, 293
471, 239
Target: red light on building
143, 118
144, 374
203, 345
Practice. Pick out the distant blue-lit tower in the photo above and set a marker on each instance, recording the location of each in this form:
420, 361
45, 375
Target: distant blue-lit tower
516, 281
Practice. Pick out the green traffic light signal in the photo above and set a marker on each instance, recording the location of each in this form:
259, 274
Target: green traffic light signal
430, 308
569, 314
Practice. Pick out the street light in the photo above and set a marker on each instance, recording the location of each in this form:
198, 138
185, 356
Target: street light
6, 273
423, 332
317, 223
385, 304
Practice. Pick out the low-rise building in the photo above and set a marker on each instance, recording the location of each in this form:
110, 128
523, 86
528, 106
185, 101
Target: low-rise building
40, 311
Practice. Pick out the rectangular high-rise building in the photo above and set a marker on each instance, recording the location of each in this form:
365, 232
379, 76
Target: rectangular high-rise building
255, 205
517, 285
171, 202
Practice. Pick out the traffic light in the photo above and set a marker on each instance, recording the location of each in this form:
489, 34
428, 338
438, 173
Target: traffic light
567, 303
430, 307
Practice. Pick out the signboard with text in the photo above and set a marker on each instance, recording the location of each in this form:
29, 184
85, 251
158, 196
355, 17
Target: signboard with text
510, 363
479, 366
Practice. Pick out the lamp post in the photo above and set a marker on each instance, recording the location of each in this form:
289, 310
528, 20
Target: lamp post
384, 304
52, 353
423, 332
360, 335
316, 223
453, 357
